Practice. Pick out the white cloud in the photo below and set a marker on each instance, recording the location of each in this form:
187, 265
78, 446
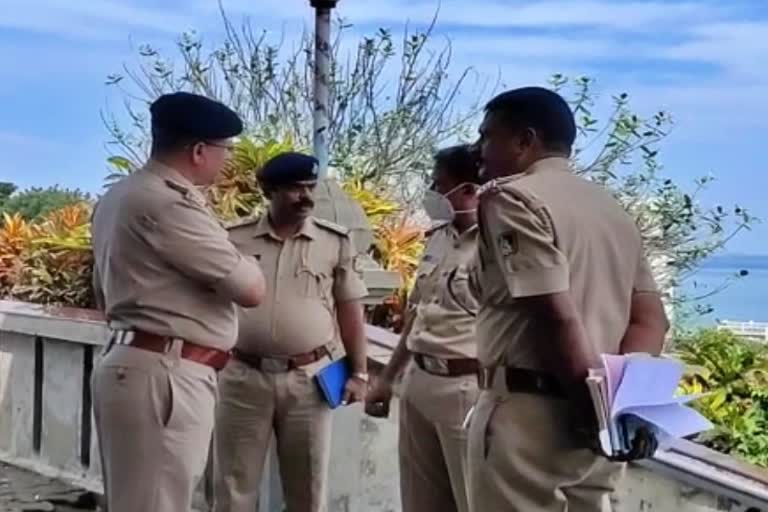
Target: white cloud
88, 19
739, 48
555, 49
702, 60
632, 15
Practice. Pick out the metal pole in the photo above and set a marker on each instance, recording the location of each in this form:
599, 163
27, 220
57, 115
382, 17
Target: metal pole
322, 67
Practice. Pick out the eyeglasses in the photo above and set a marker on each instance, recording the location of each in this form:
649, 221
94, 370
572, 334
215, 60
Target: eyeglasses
228, 147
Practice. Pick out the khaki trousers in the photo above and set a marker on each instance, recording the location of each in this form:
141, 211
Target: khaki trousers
154, 417
254, 404
433, 444
522, 459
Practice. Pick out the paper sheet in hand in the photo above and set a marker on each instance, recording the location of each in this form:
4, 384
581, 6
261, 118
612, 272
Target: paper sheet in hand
597, 391
647, 381
673, 419
614, 369
630, 392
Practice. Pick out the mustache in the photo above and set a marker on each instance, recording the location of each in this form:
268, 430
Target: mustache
304, 203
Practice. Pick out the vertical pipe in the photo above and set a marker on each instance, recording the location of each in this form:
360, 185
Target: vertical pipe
37, 404
322, 68
86, 408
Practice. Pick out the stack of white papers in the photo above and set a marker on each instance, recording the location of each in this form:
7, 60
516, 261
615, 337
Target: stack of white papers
633, 391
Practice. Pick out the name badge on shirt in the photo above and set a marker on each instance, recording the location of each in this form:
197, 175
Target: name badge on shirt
508, 244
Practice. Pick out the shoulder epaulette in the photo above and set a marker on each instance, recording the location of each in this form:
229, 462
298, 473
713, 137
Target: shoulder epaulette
193, 196
435, 228
243, 221
331, 226
177, 187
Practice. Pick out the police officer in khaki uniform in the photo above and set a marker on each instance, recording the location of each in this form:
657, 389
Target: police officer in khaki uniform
441, 387
167, 278
562, 278
313, 304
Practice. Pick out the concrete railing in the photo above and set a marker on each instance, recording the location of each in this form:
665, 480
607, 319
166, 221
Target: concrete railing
46, 359
757, 331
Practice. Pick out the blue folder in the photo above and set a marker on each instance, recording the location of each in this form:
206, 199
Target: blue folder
332, 380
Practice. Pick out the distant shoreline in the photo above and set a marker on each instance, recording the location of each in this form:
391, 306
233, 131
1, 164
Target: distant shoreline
736, 262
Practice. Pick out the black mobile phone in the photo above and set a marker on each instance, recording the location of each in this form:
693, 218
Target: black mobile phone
377, 409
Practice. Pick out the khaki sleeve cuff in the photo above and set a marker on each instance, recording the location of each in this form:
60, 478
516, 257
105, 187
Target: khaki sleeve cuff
239, 281
540, 281
352, 288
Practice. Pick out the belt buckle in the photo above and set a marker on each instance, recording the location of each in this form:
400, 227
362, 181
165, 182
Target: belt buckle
435, 365
274, 365
121, 337
485, 377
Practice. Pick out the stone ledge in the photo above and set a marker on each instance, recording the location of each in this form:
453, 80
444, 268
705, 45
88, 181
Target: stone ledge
70, 324
87, 326
685, 461
718, 473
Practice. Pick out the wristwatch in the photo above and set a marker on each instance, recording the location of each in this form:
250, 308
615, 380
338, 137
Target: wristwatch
360, 375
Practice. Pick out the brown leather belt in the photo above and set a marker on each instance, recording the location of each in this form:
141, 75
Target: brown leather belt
446, 367
521, 380
215, 358
280, 364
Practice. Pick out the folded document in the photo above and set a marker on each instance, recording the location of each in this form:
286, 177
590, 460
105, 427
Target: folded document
332, 381
634, 391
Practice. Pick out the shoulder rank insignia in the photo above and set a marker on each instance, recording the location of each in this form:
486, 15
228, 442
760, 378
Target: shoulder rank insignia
489, 188
435, 228
331, 226
177, 187
192, 195
508, 243
240, 222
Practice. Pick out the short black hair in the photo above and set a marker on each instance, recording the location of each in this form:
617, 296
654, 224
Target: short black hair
541, 109
460, 162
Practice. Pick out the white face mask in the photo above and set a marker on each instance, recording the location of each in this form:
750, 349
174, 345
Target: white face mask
439, 208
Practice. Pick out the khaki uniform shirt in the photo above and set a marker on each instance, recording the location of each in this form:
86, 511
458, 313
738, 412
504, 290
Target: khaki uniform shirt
306, 276
163, 263
547, 231
442, 328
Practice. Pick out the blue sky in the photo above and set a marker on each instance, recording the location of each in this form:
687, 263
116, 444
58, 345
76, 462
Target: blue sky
704, 61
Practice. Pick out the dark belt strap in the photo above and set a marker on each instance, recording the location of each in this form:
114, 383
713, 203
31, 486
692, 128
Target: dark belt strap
215, 358
446, 367
280, 364
522, 380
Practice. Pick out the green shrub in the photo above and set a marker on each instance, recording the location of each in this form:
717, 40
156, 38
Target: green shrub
734, 374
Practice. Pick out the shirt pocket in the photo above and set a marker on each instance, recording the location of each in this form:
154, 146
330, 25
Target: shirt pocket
423, 274
460, 295
315, 281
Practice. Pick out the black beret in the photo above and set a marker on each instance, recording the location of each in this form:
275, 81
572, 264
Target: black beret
539, 108
288, 168
195, 116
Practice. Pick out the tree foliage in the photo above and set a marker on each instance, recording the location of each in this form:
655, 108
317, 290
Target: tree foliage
48, 260
734, 375
37, 202
391, 103
622, 152
384, 132
6, 189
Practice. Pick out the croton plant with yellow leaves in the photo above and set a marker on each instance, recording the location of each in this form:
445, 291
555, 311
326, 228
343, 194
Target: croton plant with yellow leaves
48, 260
